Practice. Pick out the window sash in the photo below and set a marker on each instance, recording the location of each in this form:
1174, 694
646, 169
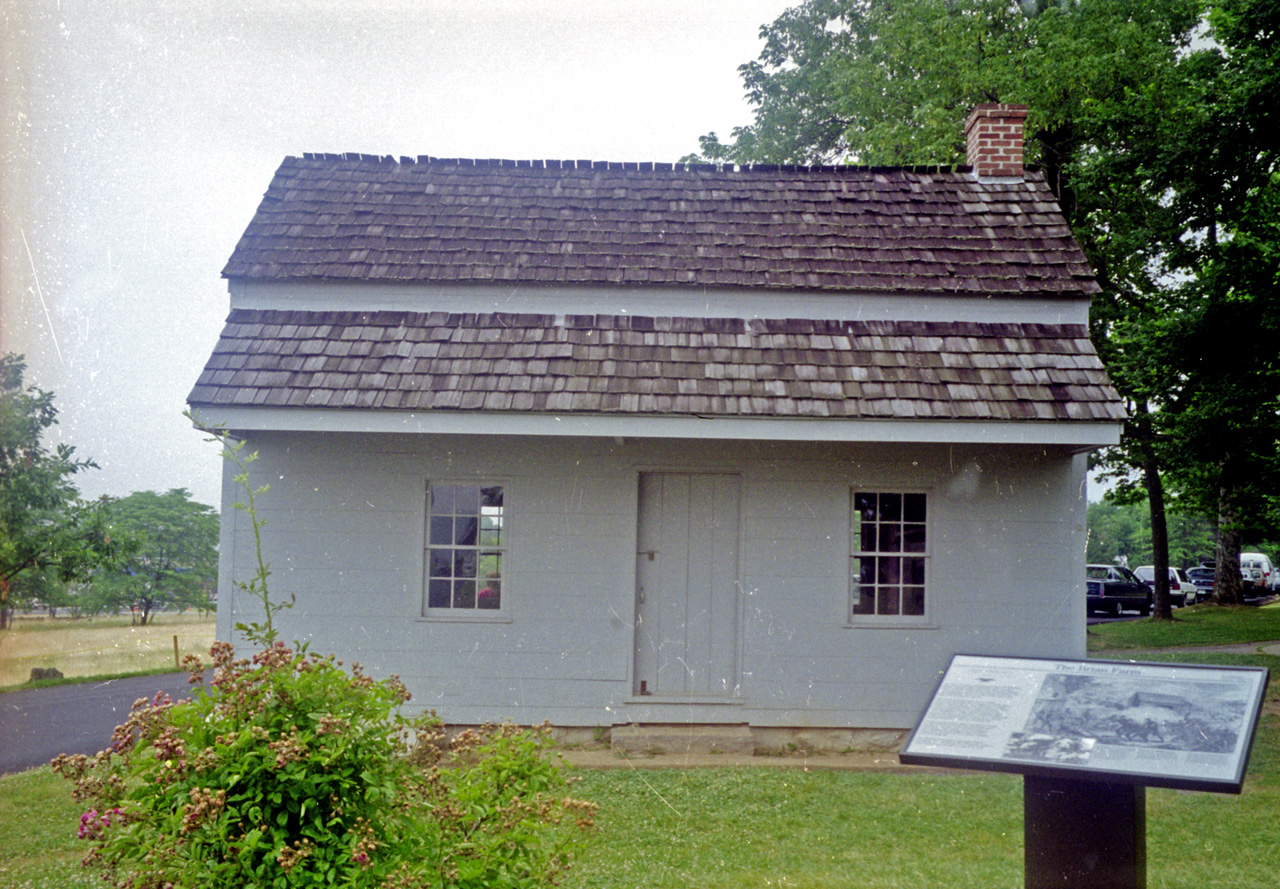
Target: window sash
465, 547
889, 555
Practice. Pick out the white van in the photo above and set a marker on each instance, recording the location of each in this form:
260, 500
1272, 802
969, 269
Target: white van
1257, 572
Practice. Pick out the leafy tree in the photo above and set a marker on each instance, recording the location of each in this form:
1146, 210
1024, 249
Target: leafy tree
44, 525
1117, 531
1217, 158
1124, 529
92, 600
41, 589
177, 558
1107, 82
1192, 538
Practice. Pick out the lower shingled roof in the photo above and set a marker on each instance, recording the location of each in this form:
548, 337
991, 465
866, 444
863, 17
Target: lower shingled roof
611, 364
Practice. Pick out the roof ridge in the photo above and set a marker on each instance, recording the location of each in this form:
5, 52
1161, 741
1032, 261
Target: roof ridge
633, 166
616, 319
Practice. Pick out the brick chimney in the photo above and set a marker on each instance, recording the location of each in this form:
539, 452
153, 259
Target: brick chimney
993, 134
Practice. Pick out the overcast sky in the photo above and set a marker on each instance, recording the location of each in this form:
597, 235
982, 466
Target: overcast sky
139, 136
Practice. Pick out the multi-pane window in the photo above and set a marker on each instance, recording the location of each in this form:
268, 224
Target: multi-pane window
889, 555
466, 539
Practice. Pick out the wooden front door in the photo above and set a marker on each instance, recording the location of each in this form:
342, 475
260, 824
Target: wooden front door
687, 584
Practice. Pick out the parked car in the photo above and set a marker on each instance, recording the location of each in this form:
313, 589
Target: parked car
1180, 589
1257, 573
1202, 577
1111, 589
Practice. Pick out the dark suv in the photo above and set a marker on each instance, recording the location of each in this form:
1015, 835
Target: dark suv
1112, 589
1202, 577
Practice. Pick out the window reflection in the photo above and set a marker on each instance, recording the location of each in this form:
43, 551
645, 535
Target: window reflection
889, 554
465, 537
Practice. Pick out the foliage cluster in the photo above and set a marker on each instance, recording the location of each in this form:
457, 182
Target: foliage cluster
287, 770
176, 563
144, 551
171, 562
1218, 161
44, 525
1124, 529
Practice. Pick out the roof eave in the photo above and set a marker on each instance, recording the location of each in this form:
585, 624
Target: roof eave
1075, 435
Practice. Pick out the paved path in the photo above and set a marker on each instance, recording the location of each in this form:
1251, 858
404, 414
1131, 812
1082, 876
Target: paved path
37, 724
1271, 648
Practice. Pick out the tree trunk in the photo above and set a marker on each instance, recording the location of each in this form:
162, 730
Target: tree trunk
1226, 576
1163, 609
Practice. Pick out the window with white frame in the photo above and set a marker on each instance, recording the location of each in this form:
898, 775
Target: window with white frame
466, 540
888, 555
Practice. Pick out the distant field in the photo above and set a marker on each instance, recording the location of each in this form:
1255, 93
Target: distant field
96, 646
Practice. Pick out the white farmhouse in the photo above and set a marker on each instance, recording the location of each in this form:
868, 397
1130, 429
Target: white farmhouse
619, 444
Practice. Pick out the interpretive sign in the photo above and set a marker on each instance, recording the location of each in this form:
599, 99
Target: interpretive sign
1161, 725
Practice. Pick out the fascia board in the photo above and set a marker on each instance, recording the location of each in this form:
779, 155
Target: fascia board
1083, 435
691, 302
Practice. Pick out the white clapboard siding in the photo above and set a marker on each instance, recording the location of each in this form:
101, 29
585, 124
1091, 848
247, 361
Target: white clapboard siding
344, 534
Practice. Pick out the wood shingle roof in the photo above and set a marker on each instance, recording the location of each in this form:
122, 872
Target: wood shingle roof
420, 361
907, 232
913, 230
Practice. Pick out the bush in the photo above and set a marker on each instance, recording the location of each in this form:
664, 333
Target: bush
289, 771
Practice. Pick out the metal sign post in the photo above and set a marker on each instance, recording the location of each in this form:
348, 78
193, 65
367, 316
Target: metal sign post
1084, 834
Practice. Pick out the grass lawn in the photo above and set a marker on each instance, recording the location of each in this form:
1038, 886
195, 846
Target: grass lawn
100, 646
766, 827
724, 828
757, 826
38, 845
1197, 625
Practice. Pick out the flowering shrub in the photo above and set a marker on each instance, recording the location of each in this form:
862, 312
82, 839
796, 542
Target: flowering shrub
289, 771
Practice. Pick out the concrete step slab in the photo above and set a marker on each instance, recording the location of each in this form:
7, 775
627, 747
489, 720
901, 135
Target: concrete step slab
672, 738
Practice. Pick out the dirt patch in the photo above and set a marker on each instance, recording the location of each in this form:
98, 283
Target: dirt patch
860, 762
89, 647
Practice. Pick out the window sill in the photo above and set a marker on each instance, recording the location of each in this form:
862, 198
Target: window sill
684, 700
468, 618
892, 625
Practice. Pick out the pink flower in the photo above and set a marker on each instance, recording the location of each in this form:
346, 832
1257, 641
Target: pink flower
92, 824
